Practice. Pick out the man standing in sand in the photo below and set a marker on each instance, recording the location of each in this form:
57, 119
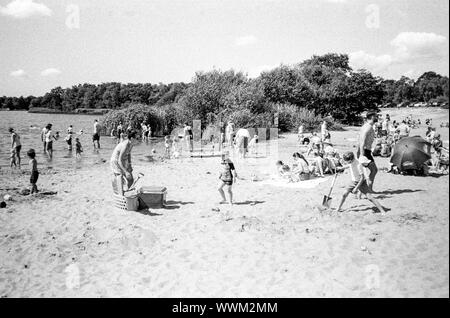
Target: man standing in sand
324, 133
229, 132
242, 139
121, 162
366, 139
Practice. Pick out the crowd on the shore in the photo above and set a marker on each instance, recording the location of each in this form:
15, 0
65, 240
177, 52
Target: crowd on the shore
315, 158
378, 137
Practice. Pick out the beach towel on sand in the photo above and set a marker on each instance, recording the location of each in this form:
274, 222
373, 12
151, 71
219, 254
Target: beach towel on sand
308, 184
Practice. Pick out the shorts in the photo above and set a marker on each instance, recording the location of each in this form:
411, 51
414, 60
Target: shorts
145, 133
49, 145
227, 182
364, 188
17, 149
369, 155
96, 137
34, 177
69, 142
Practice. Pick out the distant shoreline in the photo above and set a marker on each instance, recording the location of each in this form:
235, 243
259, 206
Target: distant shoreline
79, 111
90, 111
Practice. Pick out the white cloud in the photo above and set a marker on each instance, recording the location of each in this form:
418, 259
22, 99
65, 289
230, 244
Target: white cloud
409, 47
245, 40
337, 1
415, 45
50, 72
18, 73
256, 71
363, 60
21, 9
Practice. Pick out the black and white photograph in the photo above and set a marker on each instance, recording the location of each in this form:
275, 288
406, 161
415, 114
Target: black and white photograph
224, 149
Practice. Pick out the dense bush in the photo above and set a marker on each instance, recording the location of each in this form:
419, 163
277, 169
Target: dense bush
163, 120
132, 116
290, 117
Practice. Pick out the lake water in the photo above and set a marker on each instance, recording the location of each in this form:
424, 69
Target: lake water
29, 127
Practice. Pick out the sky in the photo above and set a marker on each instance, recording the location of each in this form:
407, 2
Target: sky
49, 43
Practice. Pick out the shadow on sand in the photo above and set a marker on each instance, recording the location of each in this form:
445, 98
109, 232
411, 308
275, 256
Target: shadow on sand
170, 205
249, 203
367, 208
390, 193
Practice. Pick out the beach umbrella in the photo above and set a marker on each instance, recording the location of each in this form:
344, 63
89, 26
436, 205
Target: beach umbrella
411, 153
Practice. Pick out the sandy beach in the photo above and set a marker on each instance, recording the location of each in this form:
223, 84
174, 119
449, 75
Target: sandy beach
273, 242
93, 93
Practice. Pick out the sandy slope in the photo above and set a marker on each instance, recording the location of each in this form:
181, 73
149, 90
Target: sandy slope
272, 243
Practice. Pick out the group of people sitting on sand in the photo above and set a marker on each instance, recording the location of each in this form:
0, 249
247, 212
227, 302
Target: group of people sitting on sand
301, 169
319, 158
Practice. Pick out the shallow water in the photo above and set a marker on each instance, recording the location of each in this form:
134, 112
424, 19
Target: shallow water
29, 127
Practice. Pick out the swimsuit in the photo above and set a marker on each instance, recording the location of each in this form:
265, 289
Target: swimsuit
226, 176
114, 164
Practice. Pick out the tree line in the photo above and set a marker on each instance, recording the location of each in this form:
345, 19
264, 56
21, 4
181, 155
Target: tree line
324, 86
